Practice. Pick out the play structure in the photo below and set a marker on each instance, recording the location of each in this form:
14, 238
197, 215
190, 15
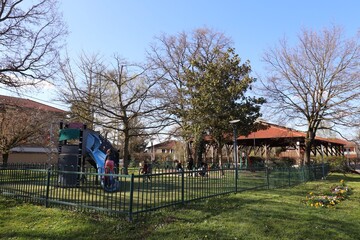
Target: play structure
78, 145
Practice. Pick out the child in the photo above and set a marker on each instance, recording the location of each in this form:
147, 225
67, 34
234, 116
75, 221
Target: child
109, 167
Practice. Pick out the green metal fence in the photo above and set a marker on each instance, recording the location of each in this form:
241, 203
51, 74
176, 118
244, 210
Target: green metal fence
140, 193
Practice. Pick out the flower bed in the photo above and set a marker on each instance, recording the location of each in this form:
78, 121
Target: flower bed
336, 195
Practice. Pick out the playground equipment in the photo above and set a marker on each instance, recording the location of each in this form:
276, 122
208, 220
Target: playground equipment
77, 144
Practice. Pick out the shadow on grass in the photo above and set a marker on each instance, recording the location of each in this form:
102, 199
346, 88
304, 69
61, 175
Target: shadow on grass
267, 218
255, 214
273, 214
19, 220
348, 177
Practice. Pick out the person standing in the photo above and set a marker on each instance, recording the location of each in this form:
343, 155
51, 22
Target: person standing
179, 167
145, 170
109, 167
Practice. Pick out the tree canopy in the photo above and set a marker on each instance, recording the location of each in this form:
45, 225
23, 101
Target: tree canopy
171, 56
204, 83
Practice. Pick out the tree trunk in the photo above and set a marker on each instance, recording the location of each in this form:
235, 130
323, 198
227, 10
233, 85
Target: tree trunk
126, 152
309, 140
198, 153
199, 149
188, 151
307, 152
5, 157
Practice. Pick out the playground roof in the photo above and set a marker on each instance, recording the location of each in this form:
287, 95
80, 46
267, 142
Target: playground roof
27, 103
276, 135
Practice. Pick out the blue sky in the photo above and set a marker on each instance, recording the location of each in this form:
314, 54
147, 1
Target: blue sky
128, 27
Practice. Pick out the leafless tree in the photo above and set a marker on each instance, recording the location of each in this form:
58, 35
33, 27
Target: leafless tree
315, 81
30, 40
122, 99
171, 57
80, 86
21, 126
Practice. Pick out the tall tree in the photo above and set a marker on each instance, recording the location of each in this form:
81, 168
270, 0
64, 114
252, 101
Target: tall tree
196, 71
171, 57
315, 81
80, 86
122, 98
217, 91
30, 40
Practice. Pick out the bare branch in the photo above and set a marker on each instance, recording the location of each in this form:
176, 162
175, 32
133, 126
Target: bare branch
30, 40
316, 80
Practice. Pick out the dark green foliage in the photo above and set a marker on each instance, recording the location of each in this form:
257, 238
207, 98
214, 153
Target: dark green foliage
257, 161
217, 93
282, 162
205, 84
337, 163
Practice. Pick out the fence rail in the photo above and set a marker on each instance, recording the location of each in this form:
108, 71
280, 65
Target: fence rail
136, 193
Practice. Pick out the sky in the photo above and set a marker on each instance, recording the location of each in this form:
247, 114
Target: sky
127, 27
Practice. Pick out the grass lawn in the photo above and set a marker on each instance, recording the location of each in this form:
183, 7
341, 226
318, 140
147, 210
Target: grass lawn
253, 214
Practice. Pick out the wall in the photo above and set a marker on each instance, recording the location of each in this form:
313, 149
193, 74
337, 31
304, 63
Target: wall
32, 158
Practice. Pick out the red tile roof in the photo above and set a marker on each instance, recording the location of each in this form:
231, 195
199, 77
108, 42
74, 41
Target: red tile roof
273, 131
27, 103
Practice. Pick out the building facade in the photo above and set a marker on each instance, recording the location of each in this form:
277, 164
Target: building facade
28, 130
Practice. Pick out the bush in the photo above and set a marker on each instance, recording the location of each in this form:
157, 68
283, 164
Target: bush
282, 162
257, 162
337, 163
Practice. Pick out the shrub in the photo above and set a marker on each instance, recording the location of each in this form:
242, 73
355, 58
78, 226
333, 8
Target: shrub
337, 163
282, 162
257, 162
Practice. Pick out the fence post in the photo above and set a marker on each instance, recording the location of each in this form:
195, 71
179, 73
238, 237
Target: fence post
182, 187
47, 188
267, 177
131, 200
323, 170
289, 176
236, 179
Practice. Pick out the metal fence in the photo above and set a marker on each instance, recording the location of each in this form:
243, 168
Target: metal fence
136, 193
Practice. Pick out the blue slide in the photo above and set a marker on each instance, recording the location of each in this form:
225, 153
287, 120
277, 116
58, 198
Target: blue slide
93, 144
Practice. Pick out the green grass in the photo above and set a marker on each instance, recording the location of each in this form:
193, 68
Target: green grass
253, 214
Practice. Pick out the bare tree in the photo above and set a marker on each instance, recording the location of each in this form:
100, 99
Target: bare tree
171, 57
30, 40
121, 98
315, 81
24, 126
80, 86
